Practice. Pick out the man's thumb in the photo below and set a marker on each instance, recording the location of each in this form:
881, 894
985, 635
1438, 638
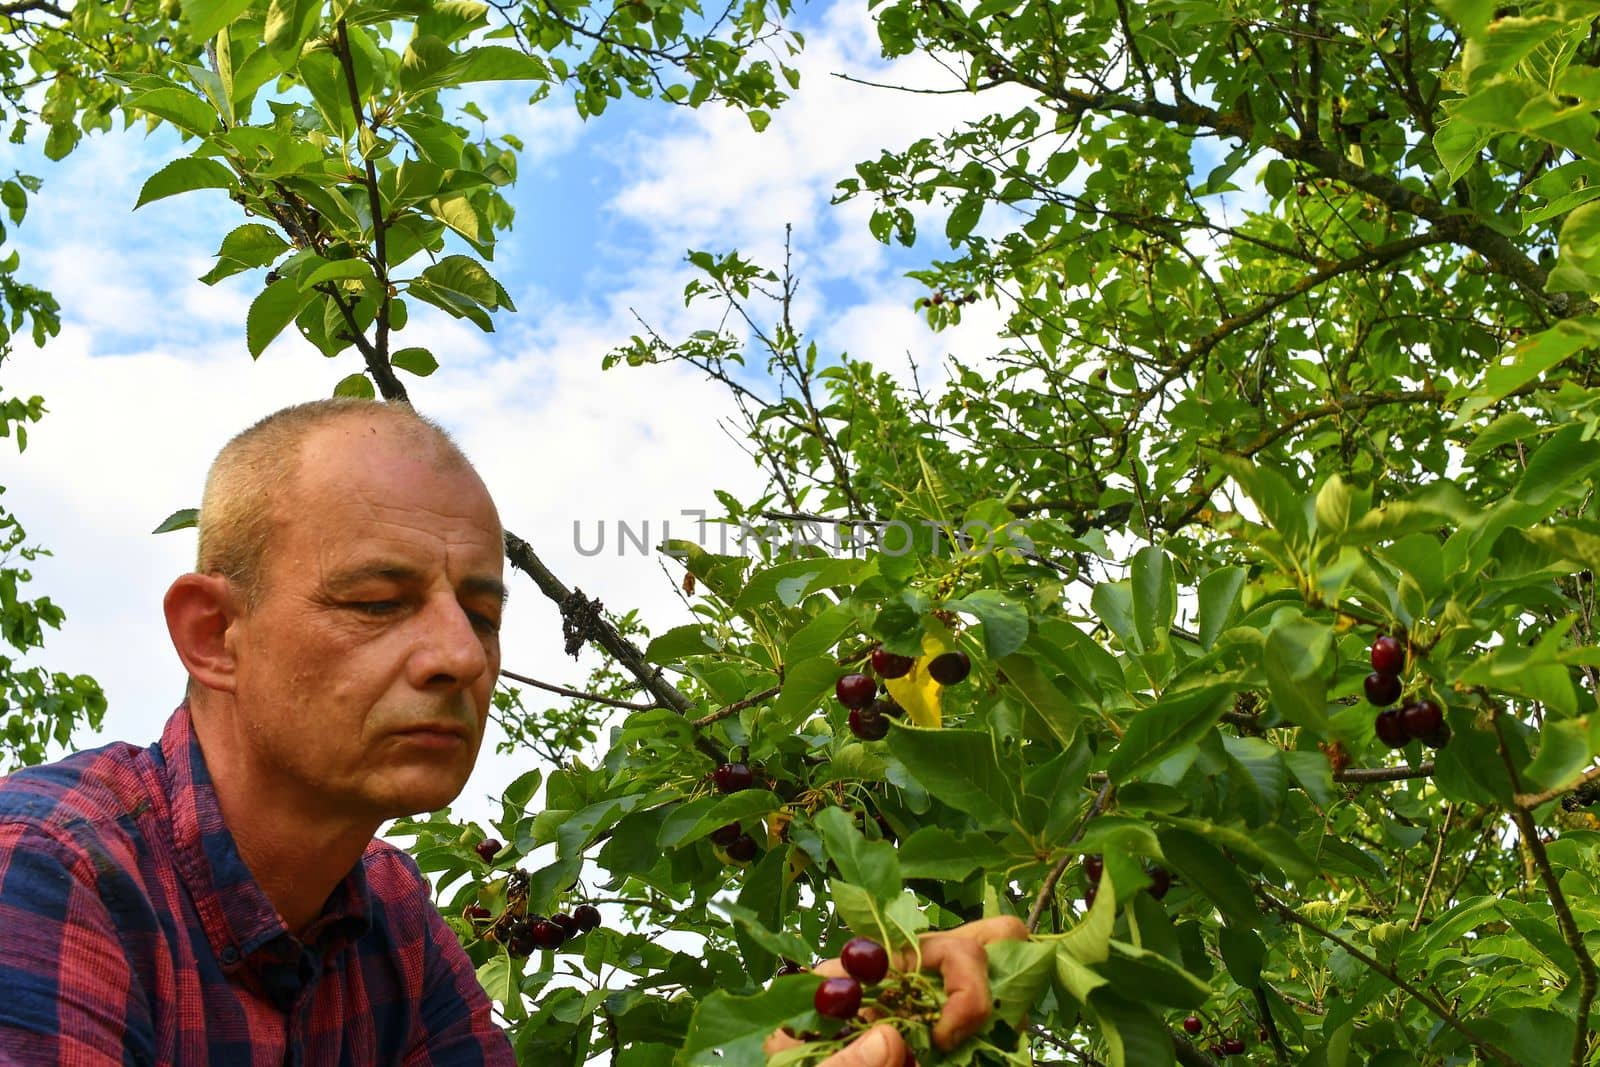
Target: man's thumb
881, 1046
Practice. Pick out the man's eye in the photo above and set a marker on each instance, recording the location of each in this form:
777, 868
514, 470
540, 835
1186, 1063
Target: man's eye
484, 623
377, 607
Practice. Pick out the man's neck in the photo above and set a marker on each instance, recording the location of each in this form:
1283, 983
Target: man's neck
297, 856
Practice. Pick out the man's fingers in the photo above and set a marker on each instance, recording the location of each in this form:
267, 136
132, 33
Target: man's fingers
959, 957
881, 1046
780, 1041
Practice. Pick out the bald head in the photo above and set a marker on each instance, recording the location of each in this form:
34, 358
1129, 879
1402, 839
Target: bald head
251, 485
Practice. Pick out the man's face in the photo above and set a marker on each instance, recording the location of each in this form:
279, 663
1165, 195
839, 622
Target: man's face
379, 614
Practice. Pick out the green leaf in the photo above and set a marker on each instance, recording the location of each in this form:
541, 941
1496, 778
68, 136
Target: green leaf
1218, 594
960, 768
1155, 596
1135, 1036
270, 312
935, 852
1271, 844
1297, 654
691, 821
206, 17
1019, 972
1175, 720
869, 864
188, 112
1089, 942
463, 278
1242, 953
1565, 749
681, 641
338, 269
356, 385
1005, 623
1156, 978
1206, 869
963, 217
729, 1031
288, 24
804, 685
182, 519
183, 175
418, 361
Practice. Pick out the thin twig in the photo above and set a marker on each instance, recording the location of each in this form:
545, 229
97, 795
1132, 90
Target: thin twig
1271, 1025
736, 707
1047, 891
1433, 870
1383, 774
578, 694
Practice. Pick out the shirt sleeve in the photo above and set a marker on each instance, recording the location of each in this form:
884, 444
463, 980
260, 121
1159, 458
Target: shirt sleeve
66, 988
458, 1026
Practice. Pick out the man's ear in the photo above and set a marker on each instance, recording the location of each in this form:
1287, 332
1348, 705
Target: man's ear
200, 609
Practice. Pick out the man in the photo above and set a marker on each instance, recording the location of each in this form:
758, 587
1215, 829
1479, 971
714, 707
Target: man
219, 898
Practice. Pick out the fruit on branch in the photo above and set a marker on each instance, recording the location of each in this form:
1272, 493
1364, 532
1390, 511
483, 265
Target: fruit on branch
1192, 1025
477, 913
726, 835
1233, 1046
1391, 728
520, 939
1160, 882
568, 924
1382, 689
855, 690
865, 959
488, 849
547, 934
950, 668
889, 665
887, 708
743, 849
1423, 719
587, 916
1388, 656
790, 967
868, 725
838, 998
1093, 866
733, 777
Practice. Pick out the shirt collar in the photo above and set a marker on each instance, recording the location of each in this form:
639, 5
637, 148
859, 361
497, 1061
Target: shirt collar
235, 913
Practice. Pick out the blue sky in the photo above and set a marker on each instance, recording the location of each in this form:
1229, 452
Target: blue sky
150, 375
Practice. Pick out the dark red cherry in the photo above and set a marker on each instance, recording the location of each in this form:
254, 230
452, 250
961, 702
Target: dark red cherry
1092, 866
865, 959
547, 934
1388, 656
488, 849
1391, 728
1422, 719
855, 690
889, 665
723, 836
1192, 1025
950, 668
587, 915
732, 777
1233, 1046
477, 913
744, 849
838, 998
868, 724
1160, 882
1382, 689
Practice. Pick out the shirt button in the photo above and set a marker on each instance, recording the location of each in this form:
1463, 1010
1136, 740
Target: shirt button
230, 955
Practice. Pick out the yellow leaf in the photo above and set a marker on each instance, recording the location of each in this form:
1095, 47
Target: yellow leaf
918, 693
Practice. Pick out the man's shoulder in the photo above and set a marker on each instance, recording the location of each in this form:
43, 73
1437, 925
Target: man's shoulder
392, 875
93, 789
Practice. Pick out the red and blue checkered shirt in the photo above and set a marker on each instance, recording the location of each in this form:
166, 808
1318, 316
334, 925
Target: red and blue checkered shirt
132, 933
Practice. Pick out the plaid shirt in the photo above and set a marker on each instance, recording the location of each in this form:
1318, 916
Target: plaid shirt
131, 932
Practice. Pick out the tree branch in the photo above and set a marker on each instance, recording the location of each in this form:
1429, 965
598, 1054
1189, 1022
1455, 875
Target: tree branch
1383, 774
1048, 890
522, 556
1438, 1007
736, 707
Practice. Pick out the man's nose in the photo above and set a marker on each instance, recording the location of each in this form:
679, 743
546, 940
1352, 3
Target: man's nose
450, 652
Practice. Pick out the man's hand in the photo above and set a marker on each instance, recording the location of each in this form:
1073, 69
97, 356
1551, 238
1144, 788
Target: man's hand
959, 958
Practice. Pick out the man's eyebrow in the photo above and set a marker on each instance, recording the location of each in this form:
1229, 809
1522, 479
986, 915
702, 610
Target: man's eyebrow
402, 574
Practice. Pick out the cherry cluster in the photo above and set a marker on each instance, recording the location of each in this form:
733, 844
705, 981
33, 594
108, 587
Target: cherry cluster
731, 838
1228, 1046
1417, 720
519, 932
941, 297
539, 932
869, 713
865, 961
